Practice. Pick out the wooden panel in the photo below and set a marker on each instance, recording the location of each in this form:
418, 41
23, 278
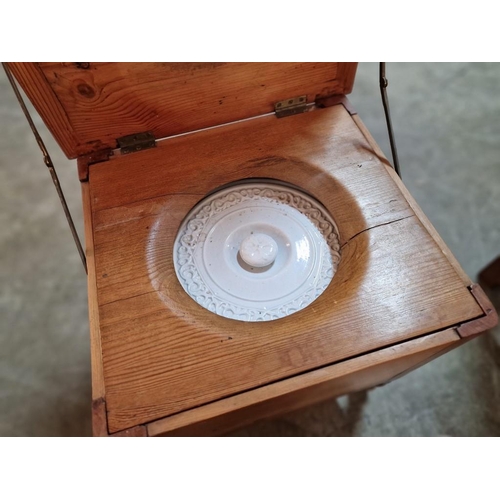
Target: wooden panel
265, 147
88, 107
31, 78
489, 320
163, 354
413, 204
100, 423
139, 431
98, 390
291, 394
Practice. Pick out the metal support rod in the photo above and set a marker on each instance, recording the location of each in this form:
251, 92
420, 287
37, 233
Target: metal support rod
49, 164
385, 101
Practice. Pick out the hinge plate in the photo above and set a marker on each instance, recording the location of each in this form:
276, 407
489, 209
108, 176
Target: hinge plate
136, 142
292, 106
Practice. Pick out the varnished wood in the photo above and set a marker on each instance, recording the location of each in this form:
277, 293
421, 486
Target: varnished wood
84, 162
138, 431
100, 423
34, 83
88, 108
160, 363
430, 228
252, 149
98, 390
356, 374
485, 322
163, 354
334, 101
375, 148
411, 201
99, 418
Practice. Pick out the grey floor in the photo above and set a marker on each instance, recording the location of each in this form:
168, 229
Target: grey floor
447, 123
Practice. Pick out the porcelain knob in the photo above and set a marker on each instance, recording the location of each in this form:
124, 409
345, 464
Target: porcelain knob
258, 250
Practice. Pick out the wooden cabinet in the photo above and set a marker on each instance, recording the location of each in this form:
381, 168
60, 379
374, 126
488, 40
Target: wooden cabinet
162, 364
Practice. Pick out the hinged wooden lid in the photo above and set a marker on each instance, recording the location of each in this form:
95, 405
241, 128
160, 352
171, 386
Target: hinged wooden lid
88, 106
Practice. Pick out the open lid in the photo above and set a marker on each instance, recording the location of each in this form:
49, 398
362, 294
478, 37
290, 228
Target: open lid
88, 106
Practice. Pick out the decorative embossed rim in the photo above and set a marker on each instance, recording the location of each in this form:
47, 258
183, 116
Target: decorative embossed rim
192, 234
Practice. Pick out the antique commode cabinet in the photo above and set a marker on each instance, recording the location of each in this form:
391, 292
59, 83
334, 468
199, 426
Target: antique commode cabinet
249, 248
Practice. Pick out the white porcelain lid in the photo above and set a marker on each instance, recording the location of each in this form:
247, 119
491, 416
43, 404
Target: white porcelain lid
256, 251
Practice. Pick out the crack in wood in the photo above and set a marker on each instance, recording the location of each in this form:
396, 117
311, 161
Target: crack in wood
373, 227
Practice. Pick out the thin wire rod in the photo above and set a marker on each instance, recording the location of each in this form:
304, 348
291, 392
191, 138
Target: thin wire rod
385, 101
49, 164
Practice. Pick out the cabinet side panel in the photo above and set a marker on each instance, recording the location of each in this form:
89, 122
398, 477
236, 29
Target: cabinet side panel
353, 375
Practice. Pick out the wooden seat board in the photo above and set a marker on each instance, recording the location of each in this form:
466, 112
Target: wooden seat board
162, 353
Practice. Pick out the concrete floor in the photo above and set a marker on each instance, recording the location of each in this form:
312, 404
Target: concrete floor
446, 118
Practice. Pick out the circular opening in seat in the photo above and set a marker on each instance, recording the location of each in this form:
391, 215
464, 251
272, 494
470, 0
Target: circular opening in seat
256, 250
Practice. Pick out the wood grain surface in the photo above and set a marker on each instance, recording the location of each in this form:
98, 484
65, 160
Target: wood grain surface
163, 354
413, 204
353, 375
98, 390
87, 106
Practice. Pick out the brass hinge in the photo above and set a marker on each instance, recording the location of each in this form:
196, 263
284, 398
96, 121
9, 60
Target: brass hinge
136, 142
292, 106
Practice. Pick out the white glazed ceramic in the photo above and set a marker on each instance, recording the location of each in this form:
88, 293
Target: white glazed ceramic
256, 251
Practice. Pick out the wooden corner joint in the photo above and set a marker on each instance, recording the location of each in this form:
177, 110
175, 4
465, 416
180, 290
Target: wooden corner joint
479, 325
100, 423
84, 162
99, 418
326, 102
